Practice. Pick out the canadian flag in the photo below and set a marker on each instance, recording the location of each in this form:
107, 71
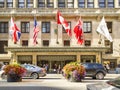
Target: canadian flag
79, 32
61, 20
14, 31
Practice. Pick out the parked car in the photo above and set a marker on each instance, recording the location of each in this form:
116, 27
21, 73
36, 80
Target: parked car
117, 69
33, 71
113, 84
95, 70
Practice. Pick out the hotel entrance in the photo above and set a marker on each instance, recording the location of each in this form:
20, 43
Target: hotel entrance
88, 58
54, 61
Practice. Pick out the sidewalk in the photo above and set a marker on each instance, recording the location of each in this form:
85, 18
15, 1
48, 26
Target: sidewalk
50, 82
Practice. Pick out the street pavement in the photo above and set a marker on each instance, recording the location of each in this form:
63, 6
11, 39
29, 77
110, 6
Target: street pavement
51, 82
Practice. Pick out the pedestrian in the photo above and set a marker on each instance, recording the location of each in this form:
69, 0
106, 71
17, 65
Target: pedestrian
59, 69
47, 68
107, 67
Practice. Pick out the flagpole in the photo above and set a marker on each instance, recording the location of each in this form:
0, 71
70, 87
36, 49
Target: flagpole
57, 42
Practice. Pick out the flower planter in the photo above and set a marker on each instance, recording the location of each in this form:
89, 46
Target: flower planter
74, 72
13, 78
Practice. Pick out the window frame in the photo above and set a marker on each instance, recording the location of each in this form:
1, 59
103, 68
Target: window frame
102, 4
9, 3
90, 4
110, 4
2, 4
45, 27
66, 43
21, 4
46, 43
71, 3
24, 27
29, 3
41, 4
61, 3
4, 27
50, 3
87, 27
24, 42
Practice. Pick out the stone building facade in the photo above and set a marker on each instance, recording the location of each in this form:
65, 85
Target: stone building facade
54, 45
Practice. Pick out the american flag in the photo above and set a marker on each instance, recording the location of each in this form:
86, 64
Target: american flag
14, 31
35, 32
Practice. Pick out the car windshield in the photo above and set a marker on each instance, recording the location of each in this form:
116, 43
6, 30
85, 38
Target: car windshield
115, 82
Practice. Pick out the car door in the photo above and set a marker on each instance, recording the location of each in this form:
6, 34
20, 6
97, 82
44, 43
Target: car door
90, 69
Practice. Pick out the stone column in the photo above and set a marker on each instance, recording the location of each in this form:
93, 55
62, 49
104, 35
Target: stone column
78, 57
35, 3
15, 3
96, 2
75, 3
34, 60
53, 33
116, 3
55, 4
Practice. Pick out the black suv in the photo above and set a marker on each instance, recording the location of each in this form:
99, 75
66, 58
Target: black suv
95, 70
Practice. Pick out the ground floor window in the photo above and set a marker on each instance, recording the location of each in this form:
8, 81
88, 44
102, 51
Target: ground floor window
22, 59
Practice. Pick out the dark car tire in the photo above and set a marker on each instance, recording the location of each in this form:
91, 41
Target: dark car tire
99, 76
35, 75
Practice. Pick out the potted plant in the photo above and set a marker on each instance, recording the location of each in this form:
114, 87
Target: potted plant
74, 71
14, 72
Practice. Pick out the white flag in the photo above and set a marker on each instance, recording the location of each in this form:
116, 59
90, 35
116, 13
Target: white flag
102, 29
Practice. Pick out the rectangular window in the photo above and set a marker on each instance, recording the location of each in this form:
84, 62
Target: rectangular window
2, 3
61, 3
66, 42
70, 3
3, 27
24, 42
41, 3
111, 3
45, 42
9, 3
2, 44
87, 27
90, 4
29, 3
25, 27
102, 4
81, 3
87, 43
110, 44
45, 27
50, 3
109, 25
21, 3
63, 29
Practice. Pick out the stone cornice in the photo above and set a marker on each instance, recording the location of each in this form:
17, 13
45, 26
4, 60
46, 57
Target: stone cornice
56, 49
65, 11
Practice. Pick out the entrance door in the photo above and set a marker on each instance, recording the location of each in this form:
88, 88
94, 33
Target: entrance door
88, 58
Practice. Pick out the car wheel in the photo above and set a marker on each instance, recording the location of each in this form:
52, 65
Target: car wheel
3, 76
34, 75
99, 75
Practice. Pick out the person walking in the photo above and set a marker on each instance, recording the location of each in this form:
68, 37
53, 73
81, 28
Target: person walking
107, 67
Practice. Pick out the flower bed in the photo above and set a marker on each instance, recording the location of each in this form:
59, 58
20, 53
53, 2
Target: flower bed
74, 71
14, 70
